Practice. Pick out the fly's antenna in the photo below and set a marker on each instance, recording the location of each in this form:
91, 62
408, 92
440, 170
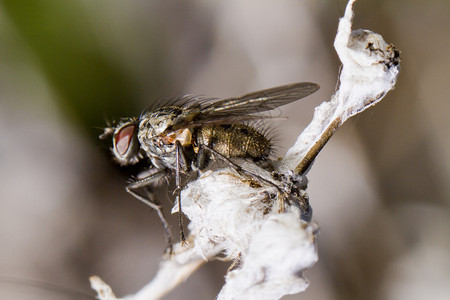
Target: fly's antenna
108, 131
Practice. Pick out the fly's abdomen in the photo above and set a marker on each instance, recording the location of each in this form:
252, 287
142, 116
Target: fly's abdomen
236, 140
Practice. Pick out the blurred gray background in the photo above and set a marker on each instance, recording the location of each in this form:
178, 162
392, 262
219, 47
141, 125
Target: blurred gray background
379, 189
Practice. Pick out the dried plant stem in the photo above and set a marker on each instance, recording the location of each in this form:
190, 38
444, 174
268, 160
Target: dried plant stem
317, 147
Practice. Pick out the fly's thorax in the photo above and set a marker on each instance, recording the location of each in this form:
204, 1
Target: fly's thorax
155, 123
161, 155
158, 140
235, 140
151, 126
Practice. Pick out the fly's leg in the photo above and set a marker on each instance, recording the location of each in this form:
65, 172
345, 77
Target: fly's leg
202, 157
305, 207
180, 159
148, 199
241, 170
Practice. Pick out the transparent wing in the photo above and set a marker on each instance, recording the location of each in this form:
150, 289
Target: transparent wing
260, 101
242, 108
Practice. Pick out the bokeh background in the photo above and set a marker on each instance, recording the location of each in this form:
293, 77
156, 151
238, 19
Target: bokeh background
379, 190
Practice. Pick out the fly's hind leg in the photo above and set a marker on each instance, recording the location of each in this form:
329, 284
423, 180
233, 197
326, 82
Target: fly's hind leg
241, 170
149, 200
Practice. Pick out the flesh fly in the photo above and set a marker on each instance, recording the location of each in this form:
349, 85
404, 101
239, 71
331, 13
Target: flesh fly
187, 135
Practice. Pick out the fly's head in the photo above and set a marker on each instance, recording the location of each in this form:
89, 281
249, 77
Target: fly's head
126, 147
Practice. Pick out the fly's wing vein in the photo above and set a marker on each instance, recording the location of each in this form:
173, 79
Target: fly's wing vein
200, 112
260, 101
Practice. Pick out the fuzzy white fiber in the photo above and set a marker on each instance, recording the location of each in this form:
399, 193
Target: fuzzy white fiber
238, 218
369, 71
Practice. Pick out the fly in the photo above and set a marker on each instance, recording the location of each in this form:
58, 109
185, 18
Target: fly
186, 135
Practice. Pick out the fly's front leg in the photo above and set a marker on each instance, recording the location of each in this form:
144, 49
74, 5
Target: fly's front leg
148, 199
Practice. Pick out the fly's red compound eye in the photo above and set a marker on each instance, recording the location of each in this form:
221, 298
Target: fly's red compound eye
124, 138
125, 143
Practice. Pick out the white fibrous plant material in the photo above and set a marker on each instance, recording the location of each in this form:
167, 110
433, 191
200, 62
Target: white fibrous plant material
369, 70
258, 222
